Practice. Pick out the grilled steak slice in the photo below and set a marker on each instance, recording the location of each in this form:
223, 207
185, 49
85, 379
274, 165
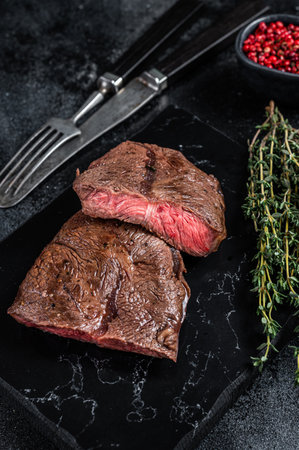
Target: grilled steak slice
107, 282
159, 189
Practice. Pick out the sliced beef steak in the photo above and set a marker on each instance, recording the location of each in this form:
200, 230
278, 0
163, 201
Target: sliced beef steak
107, 282
159, 189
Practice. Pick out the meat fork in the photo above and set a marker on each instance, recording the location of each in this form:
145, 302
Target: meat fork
15, 176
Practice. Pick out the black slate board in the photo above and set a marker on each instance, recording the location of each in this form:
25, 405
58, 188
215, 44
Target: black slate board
109, 399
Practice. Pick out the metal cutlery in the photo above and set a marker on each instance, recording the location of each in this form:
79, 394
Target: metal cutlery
140, 91
56, 132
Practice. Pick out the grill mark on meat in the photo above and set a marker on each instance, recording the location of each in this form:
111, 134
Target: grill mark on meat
176, 261
150, 170
111, 306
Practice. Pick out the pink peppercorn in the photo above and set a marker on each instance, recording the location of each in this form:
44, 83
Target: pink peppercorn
274, 45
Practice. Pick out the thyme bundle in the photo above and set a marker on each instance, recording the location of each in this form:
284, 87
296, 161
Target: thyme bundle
272, 204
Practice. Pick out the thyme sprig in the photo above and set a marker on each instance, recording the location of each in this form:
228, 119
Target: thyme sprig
272, 204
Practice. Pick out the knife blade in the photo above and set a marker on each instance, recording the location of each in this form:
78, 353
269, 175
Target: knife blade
144, 88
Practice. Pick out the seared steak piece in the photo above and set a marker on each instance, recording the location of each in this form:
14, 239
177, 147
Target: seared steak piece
159, 189
107, 282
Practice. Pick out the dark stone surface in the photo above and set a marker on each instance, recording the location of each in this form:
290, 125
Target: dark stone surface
51, 53
266, 416
16, 432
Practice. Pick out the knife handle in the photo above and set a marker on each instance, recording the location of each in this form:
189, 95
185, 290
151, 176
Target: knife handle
165, 27
213, 38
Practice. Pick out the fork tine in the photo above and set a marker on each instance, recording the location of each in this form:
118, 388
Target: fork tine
50, 150
46, 144
40, 136
18, 153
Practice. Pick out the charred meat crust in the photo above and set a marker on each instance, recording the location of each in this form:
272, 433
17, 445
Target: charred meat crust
106, 282
154, 178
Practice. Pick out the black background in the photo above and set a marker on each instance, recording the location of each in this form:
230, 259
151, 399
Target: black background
51, 53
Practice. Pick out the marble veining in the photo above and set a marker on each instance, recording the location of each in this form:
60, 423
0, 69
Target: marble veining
182, 410
140, 411
203, 164
72, 390
225, 286
102, 366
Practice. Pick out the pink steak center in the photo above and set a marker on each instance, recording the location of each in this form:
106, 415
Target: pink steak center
176, 225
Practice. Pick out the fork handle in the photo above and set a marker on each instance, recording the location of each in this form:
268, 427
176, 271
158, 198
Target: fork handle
163, 29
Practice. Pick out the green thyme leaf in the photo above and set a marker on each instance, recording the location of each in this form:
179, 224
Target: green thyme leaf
272, 204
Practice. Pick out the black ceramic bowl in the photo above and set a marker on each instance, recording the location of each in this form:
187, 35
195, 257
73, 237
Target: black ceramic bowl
269, 83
